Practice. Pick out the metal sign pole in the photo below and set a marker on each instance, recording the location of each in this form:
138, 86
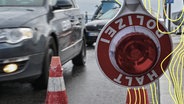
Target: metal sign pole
169, 15
165, 7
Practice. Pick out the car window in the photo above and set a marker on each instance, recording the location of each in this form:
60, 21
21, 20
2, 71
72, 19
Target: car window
21, 2
64, 4
73, 3
109, 14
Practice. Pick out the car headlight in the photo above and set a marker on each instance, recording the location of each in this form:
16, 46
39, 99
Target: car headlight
16, 35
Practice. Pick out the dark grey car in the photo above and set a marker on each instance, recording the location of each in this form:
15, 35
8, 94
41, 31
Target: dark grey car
32, 31
93, 28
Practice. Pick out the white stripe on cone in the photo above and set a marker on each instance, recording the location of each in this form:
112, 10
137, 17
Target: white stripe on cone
56, 84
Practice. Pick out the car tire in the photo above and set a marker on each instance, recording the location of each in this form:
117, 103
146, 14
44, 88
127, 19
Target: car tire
80, 59
42, 81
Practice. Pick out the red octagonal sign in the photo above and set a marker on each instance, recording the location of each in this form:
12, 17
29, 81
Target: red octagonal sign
131, 48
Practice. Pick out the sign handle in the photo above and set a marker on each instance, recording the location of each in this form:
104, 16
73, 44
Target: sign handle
132, 6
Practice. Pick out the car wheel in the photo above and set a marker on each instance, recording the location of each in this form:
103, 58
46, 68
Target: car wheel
42, 81
80, 59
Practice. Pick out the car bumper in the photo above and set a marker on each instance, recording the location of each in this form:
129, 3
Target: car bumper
29, 68
28, 56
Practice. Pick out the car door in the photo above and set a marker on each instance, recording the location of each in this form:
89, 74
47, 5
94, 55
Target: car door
68, 29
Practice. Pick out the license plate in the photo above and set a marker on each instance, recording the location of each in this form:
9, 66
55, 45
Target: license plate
93, 34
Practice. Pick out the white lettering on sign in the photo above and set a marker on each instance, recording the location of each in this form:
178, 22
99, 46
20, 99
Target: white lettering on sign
130, 20
110, 31
129, 81
120, 23
141, 19
105, 40
151, 24
152, 75
159, 34
118, 79
140, 80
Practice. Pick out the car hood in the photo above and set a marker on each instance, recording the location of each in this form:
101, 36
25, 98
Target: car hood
16, 17
96, 25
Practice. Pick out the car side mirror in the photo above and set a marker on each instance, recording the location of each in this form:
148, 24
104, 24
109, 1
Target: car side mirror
62, 4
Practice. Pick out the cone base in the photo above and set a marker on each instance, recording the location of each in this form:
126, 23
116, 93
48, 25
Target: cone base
56, 98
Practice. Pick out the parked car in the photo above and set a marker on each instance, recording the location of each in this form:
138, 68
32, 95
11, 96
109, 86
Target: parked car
93, 28
32, 31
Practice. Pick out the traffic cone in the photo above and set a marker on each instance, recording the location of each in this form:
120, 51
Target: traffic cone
56, 91
137, 96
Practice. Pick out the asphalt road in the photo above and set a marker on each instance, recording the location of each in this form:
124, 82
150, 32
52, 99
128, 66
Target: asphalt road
87, 85
84, 85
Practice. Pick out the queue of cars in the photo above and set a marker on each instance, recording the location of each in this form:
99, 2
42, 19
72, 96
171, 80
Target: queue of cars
32, 31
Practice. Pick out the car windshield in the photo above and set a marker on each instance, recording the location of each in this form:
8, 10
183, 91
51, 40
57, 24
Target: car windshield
104, 7
107, 5
21, 2
109, 14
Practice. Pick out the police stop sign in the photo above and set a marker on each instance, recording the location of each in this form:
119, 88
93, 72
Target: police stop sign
130, 49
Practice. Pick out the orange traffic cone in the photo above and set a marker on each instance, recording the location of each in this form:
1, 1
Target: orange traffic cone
56, 92
135, 96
